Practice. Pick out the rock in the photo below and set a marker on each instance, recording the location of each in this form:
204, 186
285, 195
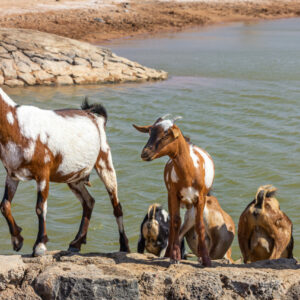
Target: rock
42, 76
9, 68
84, 282
14, 82
52, 59
12, 270
61, 275
27, 78
64, 80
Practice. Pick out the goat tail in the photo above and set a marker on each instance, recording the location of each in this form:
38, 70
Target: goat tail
263, 192
95, 108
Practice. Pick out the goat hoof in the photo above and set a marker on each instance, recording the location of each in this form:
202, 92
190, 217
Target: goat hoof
39, 250
73, 249
17, 242
174, 261
206, 262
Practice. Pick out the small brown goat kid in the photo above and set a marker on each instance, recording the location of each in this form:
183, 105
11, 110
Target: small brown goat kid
58, 146
188, 175
264, 231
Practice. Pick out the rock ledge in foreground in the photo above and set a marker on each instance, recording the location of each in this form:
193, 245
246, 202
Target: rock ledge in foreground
61, 275
29, 57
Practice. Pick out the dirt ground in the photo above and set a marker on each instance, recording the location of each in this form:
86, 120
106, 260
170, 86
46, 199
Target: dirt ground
101, 20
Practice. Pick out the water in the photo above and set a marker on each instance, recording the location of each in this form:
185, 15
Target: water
237, 89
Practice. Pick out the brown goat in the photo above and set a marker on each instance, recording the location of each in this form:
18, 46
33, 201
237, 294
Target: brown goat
58, 146
219, 230
264, 231
188, 175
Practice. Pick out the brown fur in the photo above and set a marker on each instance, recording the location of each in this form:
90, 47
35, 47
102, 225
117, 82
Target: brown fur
44, 171
219, 231
173, 144
265, 232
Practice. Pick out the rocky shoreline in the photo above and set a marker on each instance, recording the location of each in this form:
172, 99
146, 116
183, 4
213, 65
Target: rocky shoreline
29, 57
61, 275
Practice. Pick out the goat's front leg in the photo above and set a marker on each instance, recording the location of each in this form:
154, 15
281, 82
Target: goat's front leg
175, 222
105, 169
200, 229
39, 247
9, 192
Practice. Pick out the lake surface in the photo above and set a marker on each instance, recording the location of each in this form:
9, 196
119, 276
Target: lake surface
238, 91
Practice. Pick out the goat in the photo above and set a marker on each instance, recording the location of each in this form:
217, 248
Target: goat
58, 146
188, 177
154, 232
219, 230
264, 231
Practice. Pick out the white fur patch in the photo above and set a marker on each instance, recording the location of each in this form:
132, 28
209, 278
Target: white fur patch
165, 124
45, 209
165, 215
102, 163
189, 194
208, 167
76, 138
194, 157
42, 185
174, 176
6, 98
15, 241
40, 249
28, 152
47, 159
10, 118
23, 174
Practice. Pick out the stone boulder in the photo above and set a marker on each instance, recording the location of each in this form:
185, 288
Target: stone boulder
29, 57
62, 275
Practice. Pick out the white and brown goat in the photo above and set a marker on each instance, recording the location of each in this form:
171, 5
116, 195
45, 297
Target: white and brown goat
59, 146
264, 231
188, 176
219, 230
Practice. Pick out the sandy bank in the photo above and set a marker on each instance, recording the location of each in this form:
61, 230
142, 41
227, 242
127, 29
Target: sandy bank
99, 20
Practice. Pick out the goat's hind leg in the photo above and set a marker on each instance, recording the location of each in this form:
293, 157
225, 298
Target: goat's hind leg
9, 192
87, 202
106, 172
39, 247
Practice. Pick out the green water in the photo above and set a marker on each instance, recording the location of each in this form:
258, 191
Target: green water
238, 91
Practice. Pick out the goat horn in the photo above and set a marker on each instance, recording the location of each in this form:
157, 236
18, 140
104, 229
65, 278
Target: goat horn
163, 117
176, 118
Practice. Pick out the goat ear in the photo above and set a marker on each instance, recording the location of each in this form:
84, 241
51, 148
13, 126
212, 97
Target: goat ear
175, 132
144, 129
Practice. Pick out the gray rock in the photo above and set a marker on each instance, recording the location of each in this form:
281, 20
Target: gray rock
84, 282
14, 82
27, 78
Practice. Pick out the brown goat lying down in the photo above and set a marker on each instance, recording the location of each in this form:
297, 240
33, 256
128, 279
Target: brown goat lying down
219, 230
265, 232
